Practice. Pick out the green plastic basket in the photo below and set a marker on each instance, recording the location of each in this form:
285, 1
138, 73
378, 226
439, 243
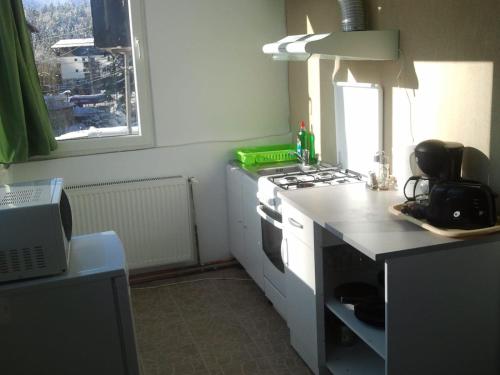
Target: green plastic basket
266, 154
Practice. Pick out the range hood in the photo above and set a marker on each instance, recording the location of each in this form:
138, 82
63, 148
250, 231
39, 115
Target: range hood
353, 45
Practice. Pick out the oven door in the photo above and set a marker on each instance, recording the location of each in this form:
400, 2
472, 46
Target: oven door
273, 264
272, 235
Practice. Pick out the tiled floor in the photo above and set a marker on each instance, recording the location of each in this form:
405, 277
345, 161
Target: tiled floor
223, 327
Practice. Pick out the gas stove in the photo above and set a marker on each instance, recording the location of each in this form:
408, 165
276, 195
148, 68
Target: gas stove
314, 176
269, 209
322, 176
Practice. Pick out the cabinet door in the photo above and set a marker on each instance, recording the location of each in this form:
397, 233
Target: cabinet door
253, 231
301, 299
235, 213
68, 326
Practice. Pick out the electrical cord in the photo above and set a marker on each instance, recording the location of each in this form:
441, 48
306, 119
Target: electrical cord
398, 76
191, 281
210, 141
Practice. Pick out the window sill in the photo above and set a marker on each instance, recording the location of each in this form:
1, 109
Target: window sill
98, 145
99, 133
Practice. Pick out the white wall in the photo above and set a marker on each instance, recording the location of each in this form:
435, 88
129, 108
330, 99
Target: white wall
445, 85
210, 82
211, 79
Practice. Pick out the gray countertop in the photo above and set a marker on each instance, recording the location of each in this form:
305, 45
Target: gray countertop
92, 256
360, 217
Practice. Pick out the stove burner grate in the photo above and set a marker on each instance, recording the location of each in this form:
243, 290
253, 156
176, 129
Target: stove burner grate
320, 176
301, 185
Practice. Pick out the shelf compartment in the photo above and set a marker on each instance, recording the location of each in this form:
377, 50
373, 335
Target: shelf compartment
358, 359
373, 336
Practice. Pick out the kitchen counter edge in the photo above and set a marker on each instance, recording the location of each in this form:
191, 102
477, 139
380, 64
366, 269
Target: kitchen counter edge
360, 217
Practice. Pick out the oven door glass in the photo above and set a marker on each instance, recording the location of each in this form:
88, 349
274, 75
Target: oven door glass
271, 239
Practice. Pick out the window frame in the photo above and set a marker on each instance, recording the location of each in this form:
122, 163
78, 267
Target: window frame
146, 138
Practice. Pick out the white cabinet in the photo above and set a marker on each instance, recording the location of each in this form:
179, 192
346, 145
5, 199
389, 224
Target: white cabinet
244, 223
235, 213
252, 233
298, 252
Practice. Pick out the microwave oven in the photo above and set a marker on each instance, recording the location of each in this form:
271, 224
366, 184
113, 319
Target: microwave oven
35, 229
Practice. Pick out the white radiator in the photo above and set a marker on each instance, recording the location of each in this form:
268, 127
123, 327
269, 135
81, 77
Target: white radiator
153, 217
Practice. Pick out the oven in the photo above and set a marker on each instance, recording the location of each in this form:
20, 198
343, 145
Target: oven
273, 266
269, 209
272, 235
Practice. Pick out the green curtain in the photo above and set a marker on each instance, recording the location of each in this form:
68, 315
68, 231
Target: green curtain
25, 128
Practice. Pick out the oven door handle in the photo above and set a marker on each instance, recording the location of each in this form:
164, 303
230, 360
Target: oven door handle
284, 251
268, 218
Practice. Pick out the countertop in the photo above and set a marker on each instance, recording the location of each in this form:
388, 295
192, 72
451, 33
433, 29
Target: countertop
255, 171
360, 217
92, 256
251, 171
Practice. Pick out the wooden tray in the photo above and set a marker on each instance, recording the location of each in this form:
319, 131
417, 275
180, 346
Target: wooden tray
454, 233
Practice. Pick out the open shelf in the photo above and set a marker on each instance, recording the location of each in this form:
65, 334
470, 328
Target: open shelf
373, 336
358, 359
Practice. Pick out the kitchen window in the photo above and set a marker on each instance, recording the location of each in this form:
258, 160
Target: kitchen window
93, 73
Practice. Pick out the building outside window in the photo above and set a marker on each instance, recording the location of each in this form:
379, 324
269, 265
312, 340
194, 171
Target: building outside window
87, 68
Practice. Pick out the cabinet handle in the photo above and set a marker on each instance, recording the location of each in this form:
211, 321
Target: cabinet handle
295, 223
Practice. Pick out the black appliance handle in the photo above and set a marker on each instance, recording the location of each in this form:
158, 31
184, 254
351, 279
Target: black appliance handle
266, 217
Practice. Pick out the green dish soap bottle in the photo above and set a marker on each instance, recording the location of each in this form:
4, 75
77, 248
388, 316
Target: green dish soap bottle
312, 150
302, 139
